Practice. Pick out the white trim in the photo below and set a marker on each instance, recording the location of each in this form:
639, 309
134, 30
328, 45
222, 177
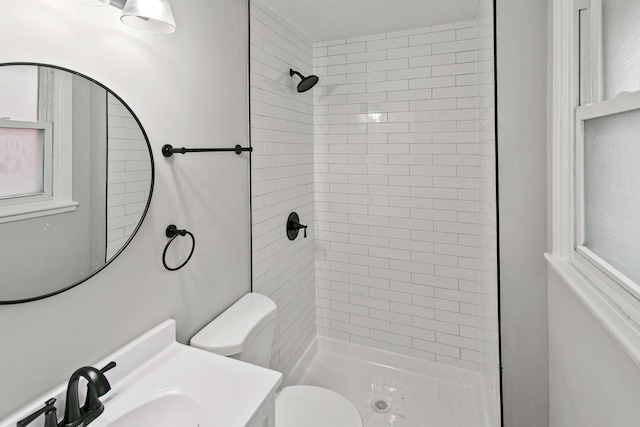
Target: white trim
609, 315
35, 210
618, 288
590, 37
62, 112
583, 255
564, 100
626, 101
18, 124
585, 53
56, 121
596, 66
575, 265
45, 195
579, 180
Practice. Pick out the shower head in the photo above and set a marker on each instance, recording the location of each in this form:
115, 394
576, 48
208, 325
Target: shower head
306, 83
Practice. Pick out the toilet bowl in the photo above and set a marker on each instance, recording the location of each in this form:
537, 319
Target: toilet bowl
310, 406
245, 332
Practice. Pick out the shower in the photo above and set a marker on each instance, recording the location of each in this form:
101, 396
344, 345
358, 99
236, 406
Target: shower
391, 299
306, 83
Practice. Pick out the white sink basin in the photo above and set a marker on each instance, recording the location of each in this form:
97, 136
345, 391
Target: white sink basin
167, 410
161, 383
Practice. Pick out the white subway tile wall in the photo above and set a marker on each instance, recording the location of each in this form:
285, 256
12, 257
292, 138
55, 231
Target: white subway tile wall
282, 180
129, 175
398, 220
390, 160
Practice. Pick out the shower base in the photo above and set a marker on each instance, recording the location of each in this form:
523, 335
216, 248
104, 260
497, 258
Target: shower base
392, 390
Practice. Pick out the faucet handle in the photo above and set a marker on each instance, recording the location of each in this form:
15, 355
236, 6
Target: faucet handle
108, 367
98, 388
49, 411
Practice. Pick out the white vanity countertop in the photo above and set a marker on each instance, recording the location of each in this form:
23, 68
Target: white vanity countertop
158, 373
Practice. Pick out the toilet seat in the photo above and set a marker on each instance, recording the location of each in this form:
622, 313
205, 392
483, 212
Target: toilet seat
309, 406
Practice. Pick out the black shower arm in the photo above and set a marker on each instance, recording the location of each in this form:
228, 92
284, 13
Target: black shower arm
292, 72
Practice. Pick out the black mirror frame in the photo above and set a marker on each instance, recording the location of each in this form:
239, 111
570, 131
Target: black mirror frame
146, 209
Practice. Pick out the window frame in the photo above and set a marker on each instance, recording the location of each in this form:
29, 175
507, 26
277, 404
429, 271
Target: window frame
576, 96
46, 128
55, 119
620, 104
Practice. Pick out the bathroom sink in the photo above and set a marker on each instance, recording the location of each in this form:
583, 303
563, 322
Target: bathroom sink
161, 383
167, 410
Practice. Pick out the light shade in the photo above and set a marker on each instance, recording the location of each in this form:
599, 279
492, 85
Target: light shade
154, 16
96, 2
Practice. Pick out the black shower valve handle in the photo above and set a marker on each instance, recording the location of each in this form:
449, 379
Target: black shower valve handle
298, 226
293, 226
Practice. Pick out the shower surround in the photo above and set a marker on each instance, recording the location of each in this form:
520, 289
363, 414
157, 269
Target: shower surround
396, 170
390, 162
282, 181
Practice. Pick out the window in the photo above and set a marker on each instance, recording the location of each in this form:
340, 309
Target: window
607, 190
596, 148
35, 143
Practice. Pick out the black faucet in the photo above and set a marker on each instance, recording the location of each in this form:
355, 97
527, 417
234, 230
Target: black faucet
74, 415
49, 411
97, 386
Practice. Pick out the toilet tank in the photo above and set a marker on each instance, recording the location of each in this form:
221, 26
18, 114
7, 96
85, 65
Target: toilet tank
244, 331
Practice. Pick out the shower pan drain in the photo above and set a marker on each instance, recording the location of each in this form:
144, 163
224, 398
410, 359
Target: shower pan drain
381, 406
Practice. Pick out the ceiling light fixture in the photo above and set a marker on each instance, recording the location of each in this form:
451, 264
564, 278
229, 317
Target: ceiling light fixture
96, 2
153, 16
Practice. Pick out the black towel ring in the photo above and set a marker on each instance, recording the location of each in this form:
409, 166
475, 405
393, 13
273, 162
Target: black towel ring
172, 231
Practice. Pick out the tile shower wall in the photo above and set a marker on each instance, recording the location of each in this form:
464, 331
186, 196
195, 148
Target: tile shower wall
282, 181
129, 175
397, 222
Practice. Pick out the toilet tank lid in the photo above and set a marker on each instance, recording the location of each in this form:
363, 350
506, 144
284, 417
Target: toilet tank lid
228, 333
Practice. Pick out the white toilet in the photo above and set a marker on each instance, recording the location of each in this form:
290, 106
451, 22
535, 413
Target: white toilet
245, 332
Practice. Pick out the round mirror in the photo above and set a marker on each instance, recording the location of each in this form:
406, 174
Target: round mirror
76, 178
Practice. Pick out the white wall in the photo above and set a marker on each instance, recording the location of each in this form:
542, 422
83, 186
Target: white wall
592, 379
282, 181
593, 382
190, 89
487, 211
522, 137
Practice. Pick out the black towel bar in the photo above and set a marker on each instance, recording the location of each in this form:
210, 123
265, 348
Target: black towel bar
168, 150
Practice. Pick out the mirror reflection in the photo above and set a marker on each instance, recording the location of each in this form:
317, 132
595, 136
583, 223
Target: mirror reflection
76, 177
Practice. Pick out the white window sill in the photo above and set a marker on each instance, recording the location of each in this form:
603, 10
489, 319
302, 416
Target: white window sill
614, 321
35, 210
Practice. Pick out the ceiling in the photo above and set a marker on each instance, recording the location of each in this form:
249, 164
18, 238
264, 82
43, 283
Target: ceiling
324, 20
